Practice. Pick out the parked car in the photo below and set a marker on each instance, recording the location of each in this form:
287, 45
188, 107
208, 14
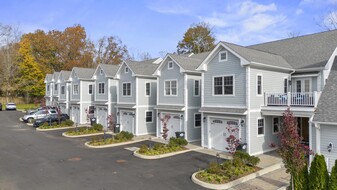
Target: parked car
51, 119
0, 106
31, 111
11, 106
38, 115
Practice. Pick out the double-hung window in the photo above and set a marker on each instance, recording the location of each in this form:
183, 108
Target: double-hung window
260, 126
223, 85
170, 65
48, 88
196, 87
171, 88
259, 85
197, 120
127, 89
285, 83
62, 89
147, 89
100, 88
222, 56
148, 117
56, 87
75, 89
90, 88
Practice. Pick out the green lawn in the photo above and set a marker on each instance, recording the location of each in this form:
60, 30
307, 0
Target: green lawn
24, 106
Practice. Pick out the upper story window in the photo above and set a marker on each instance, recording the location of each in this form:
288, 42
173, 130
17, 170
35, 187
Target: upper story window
197, 120
127, 89
101, 72
101, 88
223, 85
62, 89
285, 85
48, 88
126, 69
170, 65
196, 87
55, 87
259, 85
260, 126
171, 88
222, 56
75, 89
147, 89
90, 88
148, 117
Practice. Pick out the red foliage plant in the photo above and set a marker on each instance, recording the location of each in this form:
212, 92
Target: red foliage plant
164, 121
232, 140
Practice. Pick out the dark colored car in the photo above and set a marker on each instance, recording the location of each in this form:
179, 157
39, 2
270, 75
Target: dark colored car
0, 106
50, 119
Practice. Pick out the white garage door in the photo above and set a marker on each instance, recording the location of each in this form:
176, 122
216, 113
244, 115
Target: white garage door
173, 125
75, 114
219, 132
127, 121
102, 116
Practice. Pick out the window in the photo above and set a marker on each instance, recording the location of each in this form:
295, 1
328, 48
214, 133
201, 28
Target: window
306, 85
147, 89
90, 88
101, 72
170, 65
55, 87
223, 85
171, 88
260, 126
285, 85
62, 89
75, 89
48, 88
222, 56
196, 87
148, 117
100, 88
126, 69
298, 86
276, 124
197, 120
127, 89
259, 85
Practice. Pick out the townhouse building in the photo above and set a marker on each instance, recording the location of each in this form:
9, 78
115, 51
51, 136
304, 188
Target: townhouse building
64, 91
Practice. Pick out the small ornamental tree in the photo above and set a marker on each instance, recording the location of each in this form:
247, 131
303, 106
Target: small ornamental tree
333, 178
290, 149
318, 176
232, 140
87, 113
111, 121
164, 122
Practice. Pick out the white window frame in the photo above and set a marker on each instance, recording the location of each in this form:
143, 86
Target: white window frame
147, 111
75, 92
170, 88
101, 72
223, 89
91, 89
257, 126
285, 85
126, 69
257, 85
126, 91
63, 89
223, 60
194, 86
147, 95
195, 120
273, 126
99, 89
168, 65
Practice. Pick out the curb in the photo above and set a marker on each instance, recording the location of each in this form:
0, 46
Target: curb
159, 156
237, 181
54, 129
87, 135
113, 145
283, 188
30, 124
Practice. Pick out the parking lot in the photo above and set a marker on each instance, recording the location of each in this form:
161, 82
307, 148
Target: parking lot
45, 160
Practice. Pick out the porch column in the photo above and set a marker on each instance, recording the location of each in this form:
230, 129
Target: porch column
289, 98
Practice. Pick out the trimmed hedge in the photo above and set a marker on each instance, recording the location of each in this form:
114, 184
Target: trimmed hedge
319, 176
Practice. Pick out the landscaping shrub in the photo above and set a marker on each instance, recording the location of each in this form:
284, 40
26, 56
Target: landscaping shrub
180, 142
301, 180
124, 135
68, 122
333, 178
318, 176
97, 127
246, 158
143, 149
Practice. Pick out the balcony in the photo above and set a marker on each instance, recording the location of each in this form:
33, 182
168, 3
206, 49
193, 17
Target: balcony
307, 99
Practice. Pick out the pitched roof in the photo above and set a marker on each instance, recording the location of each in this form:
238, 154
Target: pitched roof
84, 73
253, 55
189, 63
65, 74
56, 76
146, 67
109, 69
306, 51
326, 110
48, 77
234, 111
169, 107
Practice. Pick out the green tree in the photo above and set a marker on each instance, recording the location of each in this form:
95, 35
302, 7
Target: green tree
31, 77
333, 178
301, 180
197, 39
110, 50
318, 176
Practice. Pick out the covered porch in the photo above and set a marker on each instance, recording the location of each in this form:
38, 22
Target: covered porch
309, 99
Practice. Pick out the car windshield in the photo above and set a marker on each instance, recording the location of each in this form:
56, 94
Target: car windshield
52, 111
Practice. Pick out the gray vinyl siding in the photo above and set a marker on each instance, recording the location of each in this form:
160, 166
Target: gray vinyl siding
328, 134
86, 97
143, 127
313, 137
63, 83
142, 98
75, 81
55, 92
314, 84
260, 144
127, 77
172, 74
320, 80
230, 67
193, 133
113, 89
193, 101
272, 82
101, 79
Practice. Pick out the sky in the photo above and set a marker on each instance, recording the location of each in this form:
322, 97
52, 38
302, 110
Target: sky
156, 26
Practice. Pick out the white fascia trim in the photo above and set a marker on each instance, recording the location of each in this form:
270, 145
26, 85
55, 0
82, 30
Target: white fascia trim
157, 72
224, 113
186, 104
323, 123
304, 76
109, 97
137, 108
248, 110
271, 66
330, 61
202, 89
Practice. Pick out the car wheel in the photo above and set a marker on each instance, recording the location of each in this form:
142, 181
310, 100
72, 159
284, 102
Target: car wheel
30, 120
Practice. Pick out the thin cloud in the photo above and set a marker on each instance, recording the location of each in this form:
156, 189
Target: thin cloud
299, 11
169, 9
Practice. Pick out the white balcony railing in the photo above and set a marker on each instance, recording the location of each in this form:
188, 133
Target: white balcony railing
292, 99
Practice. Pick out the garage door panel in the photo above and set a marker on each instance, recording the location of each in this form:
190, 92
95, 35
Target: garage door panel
127, 121
219, 133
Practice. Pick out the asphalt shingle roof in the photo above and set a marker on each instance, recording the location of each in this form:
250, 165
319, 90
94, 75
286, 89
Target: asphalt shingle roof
65, 74
56, 76
84, 73
306, 51
326, 110
143, 67
49, 77
189, 63
109, 69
